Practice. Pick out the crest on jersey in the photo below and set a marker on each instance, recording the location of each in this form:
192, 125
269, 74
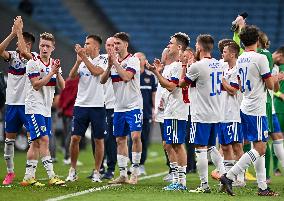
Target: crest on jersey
265, 133
147, 80
43, 128
124, 66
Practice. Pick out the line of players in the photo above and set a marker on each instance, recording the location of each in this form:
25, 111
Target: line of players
213, 85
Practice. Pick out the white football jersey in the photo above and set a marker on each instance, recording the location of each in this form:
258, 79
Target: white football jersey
127, 94
252, 69
90, 90
108, 90
206, 102
231, 103
15, 91
159, 99
174, 107
39, 102
159, 107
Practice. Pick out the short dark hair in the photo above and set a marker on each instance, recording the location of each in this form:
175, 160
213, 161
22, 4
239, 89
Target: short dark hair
29, 37
249, 35
280, 50
122, 36
233, 48
222, 43
190, 50
206, 41
95, 38
182, 39
263, 40
47, 36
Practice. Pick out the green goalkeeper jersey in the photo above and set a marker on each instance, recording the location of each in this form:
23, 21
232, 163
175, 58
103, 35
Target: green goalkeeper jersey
269, 92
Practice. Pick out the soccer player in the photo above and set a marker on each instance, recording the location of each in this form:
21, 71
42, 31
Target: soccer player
273, 123
187, 59
255, 77
206, 76
241, 23
15, 93
166, 60
89, 104
148, 88
124, 70
110, 143
175, 110
44, 73
277, 145
230, 136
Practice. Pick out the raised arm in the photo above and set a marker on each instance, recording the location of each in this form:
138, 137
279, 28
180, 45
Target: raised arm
59, 78
169, 85
95, 70
18, 24
6, 42
74, 70
106, 74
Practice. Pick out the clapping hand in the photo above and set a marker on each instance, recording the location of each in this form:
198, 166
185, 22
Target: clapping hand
18, 25
81, 52
55, 66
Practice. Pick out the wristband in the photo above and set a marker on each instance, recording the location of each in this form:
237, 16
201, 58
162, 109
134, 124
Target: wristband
277, 94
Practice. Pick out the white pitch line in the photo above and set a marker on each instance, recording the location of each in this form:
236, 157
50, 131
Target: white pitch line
100, 188
154, 175
83, 192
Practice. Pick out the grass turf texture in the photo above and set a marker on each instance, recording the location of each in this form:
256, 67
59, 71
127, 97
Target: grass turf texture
147, 189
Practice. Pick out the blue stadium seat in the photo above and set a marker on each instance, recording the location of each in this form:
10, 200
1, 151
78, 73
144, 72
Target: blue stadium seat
150, 23
55, 15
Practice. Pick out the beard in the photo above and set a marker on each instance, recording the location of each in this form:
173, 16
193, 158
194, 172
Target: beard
197, 55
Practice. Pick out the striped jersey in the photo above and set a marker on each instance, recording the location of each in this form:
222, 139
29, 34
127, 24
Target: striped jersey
231, 103
253, 68
127, 93
15, 91
174, 106
39, 102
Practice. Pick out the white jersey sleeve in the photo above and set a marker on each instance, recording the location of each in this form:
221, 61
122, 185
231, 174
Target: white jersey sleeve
103, 62
32, 69
231, 105
133, 65
263, 65
192, 73
12, 55
175, 108
176, 73
15, 91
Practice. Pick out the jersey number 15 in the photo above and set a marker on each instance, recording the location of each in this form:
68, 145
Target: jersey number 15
216, 83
